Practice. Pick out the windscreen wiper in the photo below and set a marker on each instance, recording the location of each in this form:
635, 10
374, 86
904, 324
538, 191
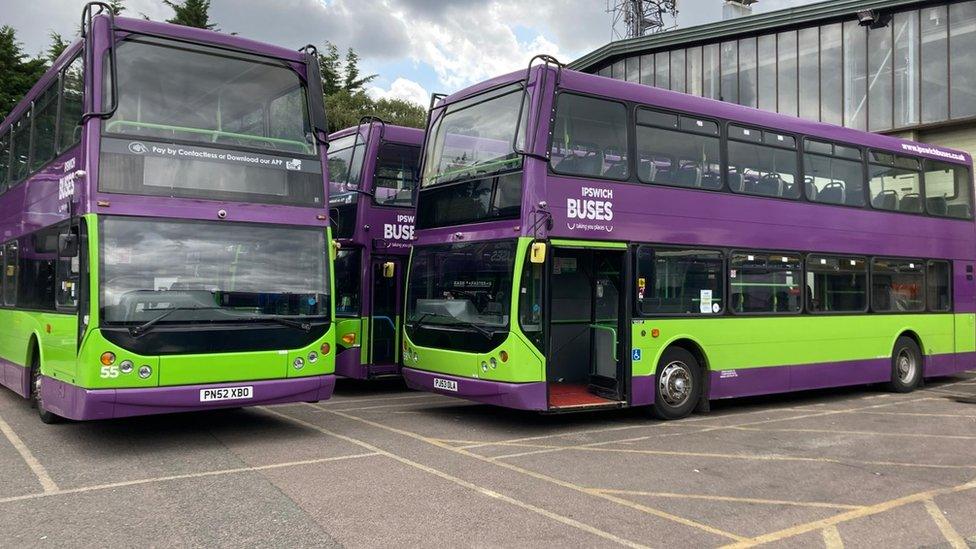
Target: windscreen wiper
483, 331
297, 324
136, 331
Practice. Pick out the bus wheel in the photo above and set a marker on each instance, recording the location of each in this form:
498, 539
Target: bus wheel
906, 366
678, 384
35, 393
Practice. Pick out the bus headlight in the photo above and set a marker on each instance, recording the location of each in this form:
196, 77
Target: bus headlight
325, 348
493, 363
313, 356
108, 358
484, 366
145, 371
125, 366
298, 363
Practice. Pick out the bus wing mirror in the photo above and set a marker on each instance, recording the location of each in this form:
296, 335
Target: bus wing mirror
537, 254
388, 269
67, 245
316, 96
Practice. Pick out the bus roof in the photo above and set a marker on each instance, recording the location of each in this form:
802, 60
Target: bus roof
656, 97
396, 134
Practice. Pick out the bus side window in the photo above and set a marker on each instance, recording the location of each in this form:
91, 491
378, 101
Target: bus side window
72, 105
68, 274
530, 301
4, 161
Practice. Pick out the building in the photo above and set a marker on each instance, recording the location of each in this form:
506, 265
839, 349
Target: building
902, 67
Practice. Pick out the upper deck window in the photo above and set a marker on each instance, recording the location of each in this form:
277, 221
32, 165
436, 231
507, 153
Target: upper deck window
345, 164
678, 150
896, 183
474, 138
171, 91
202, 122
396, 174
833, 174
4, 160
762, 163
590, 137
947, 190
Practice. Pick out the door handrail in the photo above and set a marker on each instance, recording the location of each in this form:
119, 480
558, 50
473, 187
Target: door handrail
613, 332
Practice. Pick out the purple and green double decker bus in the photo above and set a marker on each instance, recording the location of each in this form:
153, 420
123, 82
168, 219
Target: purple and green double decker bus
163, 226
373, 174
588, 243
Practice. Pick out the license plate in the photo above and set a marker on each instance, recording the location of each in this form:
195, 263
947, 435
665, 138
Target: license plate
226, 393
445, 384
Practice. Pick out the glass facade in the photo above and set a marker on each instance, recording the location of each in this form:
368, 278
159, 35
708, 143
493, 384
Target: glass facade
917, 67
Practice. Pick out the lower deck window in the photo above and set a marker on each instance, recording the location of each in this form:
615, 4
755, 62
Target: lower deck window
897, 285
765, 283
837, 284
679, 281
938, 286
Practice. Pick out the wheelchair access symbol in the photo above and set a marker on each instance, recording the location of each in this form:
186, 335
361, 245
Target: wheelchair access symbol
636, 354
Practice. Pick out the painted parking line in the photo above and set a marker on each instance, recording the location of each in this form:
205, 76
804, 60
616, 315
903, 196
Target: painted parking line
202, 474
950, 533
461, 482
832, 539
47, 484
866, 511
730, 499
552, 480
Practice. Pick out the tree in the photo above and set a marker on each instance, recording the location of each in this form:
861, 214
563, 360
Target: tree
57, 47
191, 13
18, 72
117, 6
346, 101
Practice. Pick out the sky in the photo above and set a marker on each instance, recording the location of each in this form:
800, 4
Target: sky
415, 47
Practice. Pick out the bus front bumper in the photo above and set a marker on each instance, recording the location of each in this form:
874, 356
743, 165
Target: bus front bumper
520, 396
77, 403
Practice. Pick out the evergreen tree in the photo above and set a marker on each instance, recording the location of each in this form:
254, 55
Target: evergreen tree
191, 13
18, 72
352, 81
117, 6
330, 67
57, 47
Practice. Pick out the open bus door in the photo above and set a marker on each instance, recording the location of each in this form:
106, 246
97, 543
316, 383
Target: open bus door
587, 362
386, 295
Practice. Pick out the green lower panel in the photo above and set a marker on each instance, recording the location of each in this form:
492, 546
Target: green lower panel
732, 343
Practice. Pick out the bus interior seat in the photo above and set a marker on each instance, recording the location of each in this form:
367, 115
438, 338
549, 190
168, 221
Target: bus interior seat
810, 188
688, 175
911, 202
958, 210
617, 169
885, 200
834, 192
938, 205
647, 170
735, 181
582, 158
770, 184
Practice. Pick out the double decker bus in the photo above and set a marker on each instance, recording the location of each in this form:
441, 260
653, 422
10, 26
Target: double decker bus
163, 226
373, 174
584, 242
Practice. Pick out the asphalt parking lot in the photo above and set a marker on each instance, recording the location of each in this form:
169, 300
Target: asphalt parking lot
379, 465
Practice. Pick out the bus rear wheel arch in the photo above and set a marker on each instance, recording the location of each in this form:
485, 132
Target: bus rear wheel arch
906, 364
678, 383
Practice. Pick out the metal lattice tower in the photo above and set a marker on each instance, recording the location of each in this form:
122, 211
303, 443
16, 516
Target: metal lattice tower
634, 18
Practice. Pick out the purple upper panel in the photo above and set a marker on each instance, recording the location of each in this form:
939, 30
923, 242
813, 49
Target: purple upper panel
384, 229
182, 207
670, 215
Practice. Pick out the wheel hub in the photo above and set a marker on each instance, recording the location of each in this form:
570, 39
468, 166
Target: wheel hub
676, 383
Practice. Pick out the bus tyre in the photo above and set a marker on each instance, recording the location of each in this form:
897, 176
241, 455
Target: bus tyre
906, 366
677, 384
35, 393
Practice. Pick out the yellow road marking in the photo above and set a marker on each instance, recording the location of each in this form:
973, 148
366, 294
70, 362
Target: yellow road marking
547, 478
950, 533
47, 484
338, 401
707, 497
843, 432
851, 515
461, 482
202, 474
832, 538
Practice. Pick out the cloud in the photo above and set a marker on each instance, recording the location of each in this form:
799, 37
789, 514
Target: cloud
404, 89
